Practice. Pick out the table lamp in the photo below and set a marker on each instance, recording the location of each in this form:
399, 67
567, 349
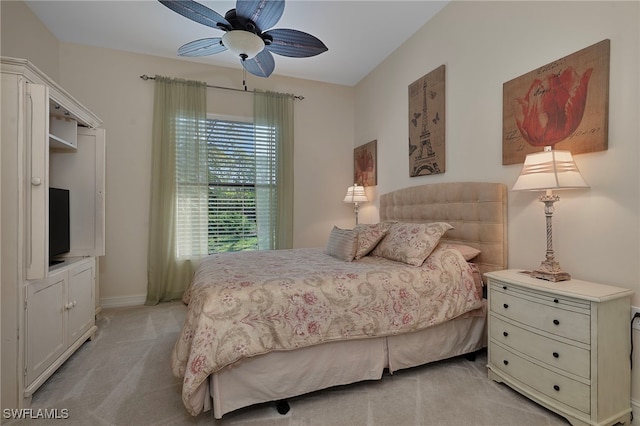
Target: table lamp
355, 195
546, 171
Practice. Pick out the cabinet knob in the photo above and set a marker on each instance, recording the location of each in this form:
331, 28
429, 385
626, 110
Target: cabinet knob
556, 322
36, 181
505, 362
506, 306
504, 287
556, 355
556, 388
505, 334
556, 301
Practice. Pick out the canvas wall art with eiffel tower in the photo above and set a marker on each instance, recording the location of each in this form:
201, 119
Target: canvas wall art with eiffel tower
427, 124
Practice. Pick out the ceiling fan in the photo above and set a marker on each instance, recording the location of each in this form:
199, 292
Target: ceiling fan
247, 34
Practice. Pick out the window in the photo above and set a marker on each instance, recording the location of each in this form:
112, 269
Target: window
235, 152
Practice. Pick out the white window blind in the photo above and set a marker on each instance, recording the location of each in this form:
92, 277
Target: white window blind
235, 151
191, 176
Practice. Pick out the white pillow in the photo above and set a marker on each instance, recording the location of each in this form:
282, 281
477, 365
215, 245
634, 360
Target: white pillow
467, 252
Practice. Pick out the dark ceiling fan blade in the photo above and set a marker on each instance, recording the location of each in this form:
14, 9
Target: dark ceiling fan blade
264, 13
261, 65
198, 13
294, 43
202, 47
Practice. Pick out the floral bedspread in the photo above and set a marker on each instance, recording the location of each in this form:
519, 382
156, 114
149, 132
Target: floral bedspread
249, 303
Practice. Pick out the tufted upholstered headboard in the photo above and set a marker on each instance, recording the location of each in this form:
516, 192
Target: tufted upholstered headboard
477, 211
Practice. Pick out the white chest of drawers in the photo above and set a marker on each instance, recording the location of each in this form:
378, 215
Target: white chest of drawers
564, 345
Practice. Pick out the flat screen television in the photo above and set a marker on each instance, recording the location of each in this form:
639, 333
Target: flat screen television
59, 224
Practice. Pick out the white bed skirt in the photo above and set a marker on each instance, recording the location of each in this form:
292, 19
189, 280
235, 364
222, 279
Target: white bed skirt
281, 375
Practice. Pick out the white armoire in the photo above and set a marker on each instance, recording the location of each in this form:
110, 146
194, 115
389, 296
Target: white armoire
48, 311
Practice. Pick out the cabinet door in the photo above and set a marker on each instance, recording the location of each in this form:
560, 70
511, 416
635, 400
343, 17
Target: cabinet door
80, 300
45, 324
82, 173
37, 188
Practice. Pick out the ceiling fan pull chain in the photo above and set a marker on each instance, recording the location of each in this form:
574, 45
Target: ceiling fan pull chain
244, 78
243, 57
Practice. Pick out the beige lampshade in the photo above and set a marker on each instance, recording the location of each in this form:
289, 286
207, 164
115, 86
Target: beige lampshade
355, 194
549, 169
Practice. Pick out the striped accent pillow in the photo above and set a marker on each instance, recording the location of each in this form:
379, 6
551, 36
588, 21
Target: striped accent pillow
342, 244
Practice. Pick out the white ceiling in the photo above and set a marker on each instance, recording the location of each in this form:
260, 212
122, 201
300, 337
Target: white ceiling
360, 34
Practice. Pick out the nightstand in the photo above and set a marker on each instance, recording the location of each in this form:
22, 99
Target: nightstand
564, 345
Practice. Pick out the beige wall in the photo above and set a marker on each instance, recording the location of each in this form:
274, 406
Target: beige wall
484, 44
24, 36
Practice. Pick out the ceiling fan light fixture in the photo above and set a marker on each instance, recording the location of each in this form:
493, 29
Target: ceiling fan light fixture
243, 44
247, 34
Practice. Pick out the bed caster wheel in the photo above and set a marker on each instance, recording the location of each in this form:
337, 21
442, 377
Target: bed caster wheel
282, 407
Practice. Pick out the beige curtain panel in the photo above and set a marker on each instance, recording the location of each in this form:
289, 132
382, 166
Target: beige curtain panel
178, 187
274, 187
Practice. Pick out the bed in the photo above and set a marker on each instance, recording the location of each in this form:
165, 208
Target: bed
312, 319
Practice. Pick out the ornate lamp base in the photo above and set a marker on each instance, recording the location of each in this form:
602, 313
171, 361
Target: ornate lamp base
550, 270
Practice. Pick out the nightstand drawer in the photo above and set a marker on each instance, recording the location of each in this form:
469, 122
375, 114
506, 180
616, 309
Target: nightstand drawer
564, 356
570, 324
567, 391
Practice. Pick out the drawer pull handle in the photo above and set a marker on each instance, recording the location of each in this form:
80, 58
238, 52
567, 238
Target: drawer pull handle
556, 355
505, 362
505, 334
504, 287
556, 322
506, 306
556, 388
556, 301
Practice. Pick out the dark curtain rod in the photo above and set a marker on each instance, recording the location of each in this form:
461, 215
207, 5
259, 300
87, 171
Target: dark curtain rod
146, 77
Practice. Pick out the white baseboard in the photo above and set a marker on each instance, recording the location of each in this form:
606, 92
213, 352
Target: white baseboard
635, 410
121, 301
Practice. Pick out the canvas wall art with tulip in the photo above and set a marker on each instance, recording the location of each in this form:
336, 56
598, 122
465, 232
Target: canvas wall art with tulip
563, 104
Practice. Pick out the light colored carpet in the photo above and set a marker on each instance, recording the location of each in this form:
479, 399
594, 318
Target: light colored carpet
122, 377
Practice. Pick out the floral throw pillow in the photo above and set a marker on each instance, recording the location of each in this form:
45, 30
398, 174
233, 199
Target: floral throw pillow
342, 244
411, 243
369, 236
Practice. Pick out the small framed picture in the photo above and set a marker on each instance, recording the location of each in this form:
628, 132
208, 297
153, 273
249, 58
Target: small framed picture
365, 169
